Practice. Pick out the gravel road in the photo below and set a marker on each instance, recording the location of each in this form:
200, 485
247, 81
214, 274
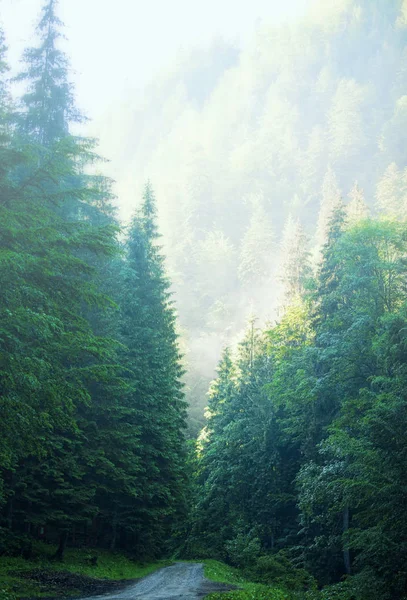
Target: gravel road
182, 580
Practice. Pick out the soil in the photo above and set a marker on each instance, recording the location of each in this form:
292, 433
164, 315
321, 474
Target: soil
73, 585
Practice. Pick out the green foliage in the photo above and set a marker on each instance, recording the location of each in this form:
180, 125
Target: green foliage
109, 565
91, 404
252, 591
319, 103
303, 457
243, 550
218, 571
362, 586
155, 402
277, 569
300, 470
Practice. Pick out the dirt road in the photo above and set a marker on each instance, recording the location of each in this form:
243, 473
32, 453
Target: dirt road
181, 581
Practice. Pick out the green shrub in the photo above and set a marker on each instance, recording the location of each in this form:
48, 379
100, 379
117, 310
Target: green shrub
243, 550
12, 544
362, 586
277, 569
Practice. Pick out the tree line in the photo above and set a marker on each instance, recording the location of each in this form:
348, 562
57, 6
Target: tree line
321, 97
91, 402
302, 463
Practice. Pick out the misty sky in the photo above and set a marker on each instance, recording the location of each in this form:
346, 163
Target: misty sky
117, 45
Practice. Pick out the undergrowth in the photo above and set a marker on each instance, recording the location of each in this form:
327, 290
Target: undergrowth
109, 566
217, 571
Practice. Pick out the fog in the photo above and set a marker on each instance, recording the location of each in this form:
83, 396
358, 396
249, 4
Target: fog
118, 47
250, 148
250, 130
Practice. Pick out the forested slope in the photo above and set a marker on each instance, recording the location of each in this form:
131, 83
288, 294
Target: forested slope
91, 404
281, 174
241, 141
302, 463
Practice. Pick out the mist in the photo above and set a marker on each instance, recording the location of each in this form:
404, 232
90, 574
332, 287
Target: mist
203, 299
242, 140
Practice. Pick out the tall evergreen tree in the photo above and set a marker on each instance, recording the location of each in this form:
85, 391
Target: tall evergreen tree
55, 357
48, 105
330, 200
152, 357
356, 209
295, 259
255, 265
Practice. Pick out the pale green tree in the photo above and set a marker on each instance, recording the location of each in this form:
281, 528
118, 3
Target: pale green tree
330, 200
256, 254
356, 209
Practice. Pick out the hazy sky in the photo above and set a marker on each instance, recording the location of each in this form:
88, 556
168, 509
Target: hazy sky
117, 45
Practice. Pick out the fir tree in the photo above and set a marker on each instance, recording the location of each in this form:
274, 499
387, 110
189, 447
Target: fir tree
152, 357
55, 357
330, 200
256, 254
48, 105
295, 259
356, 209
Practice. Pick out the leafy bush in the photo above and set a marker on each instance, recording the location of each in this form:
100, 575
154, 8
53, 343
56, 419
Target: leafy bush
12, 544
278, 570
243, 550
218, 571
363, 586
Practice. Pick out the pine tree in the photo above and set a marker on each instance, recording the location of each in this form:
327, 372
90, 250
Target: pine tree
256, 253
244, 461
295, 259
356, 209
54, 358
391, 193
153, 361
328, 280
210, 527
330, 200
47, 114
48, 105
4, 91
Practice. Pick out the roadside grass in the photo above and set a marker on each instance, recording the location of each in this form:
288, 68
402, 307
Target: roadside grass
110, 566
219, 572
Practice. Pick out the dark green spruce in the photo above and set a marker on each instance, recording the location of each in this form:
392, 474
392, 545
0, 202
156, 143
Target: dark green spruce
74, 412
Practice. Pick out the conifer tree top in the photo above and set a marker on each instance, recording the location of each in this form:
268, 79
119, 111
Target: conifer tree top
48, 105
149, 213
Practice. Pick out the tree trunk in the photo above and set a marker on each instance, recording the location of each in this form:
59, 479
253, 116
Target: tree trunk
28, 527
10, 503
114, 533
9, 517
346, 553
59, 554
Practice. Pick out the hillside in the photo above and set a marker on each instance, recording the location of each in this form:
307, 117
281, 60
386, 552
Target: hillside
243, 142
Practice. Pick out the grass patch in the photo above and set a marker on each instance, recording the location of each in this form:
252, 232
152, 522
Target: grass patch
110, 567
217, 571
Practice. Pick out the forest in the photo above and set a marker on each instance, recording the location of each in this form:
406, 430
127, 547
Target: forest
265, 233
269, 133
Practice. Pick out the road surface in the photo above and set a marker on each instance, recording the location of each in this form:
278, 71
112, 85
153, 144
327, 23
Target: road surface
181, 581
